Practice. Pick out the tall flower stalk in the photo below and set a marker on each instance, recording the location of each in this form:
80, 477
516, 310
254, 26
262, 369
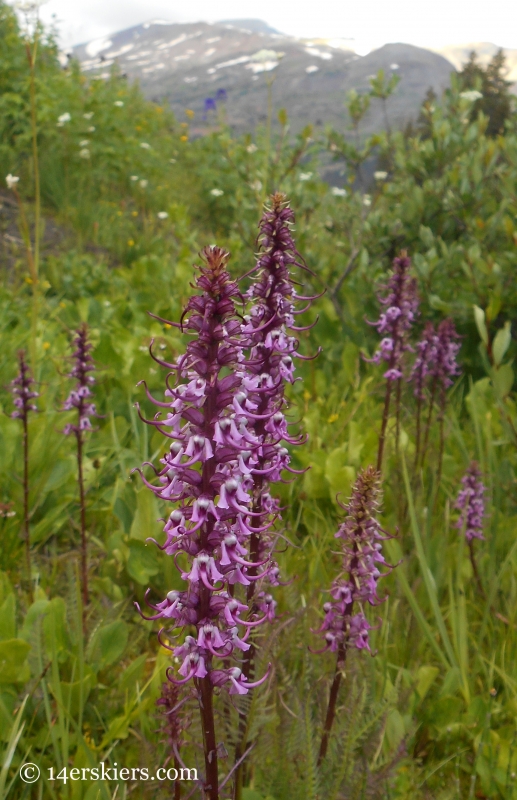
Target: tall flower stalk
345, 624
79, 400
24, 395
207, 474
270, 367
435, 367
471, 504
401, 304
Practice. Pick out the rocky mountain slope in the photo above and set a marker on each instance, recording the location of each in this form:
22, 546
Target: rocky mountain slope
184, 64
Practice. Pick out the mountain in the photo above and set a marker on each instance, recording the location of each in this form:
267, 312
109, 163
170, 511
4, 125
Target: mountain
183, 64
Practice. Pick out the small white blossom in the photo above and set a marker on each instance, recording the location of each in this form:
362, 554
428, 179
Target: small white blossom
256, 186
145, 146
133, 178
471, 95
11, 181
107, 303
63, 119
143, 183
88, 115
380, 176
216, 192
305, 176
252, 148
338, 192
162, 215
91, 129
84, 143
172, 160
118, 103
367, 200
84, 153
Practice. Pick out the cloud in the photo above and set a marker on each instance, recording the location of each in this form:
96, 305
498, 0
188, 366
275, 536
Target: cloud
419, 23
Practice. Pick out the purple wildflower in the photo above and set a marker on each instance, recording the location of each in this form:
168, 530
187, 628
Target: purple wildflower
271, 361
426, 355
436, 359
22, 390
345, 622
207, 474
401, 304
471, 503
79, 398
361, 535
445, 366
221, 96
24, 395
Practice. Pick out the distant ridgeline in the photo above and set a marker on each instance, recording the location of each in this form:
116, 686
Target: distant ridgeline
183, 64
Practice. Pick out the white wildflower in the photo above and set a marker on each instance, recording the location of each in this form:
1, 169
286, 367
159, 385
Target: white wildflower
143, 183
84, 153
252, 148
216, 192
256, 185
367, 200
172, 160
133, 178
118, 103
338, 192
162, 215
305, 176
84, 143
380, 176
88, 115
107, 303
91, 129
145, 146
471, 95
11, 181
63, 119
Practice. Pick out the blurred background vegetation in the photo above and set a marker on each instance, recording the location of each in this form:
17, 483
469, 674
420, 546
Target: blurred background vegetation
127, 201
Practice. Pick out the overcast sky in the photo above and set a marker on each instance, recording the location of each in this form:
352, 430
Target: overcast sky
431, 23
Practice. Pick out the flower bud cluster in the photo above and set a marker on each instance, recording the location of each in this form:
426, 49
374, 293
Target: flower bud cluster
401, 304
471, 503
22, 391
361, 535
79, 398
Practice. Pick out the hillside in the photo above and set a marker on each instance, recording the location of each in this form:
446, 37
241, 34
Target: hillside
183, 64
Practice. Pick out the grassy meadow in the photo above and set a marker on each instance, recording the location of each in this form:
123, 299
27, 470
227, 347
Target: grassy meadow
114, 203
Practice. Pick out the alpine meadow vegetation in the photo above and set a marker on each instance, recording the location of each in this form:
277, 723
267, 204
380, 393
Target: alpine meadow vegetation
258, 444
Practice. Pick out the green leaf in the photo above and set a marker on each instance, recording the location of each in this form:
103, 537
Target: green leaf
8, 618
74, 695
142, 563
503, 380
55, 627
112, 641
145, 519
479, 317
13, 656
426, 677
501, 343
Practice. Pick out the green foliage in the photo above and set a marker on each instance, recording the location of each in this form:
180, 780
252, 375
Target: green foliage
433, 714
